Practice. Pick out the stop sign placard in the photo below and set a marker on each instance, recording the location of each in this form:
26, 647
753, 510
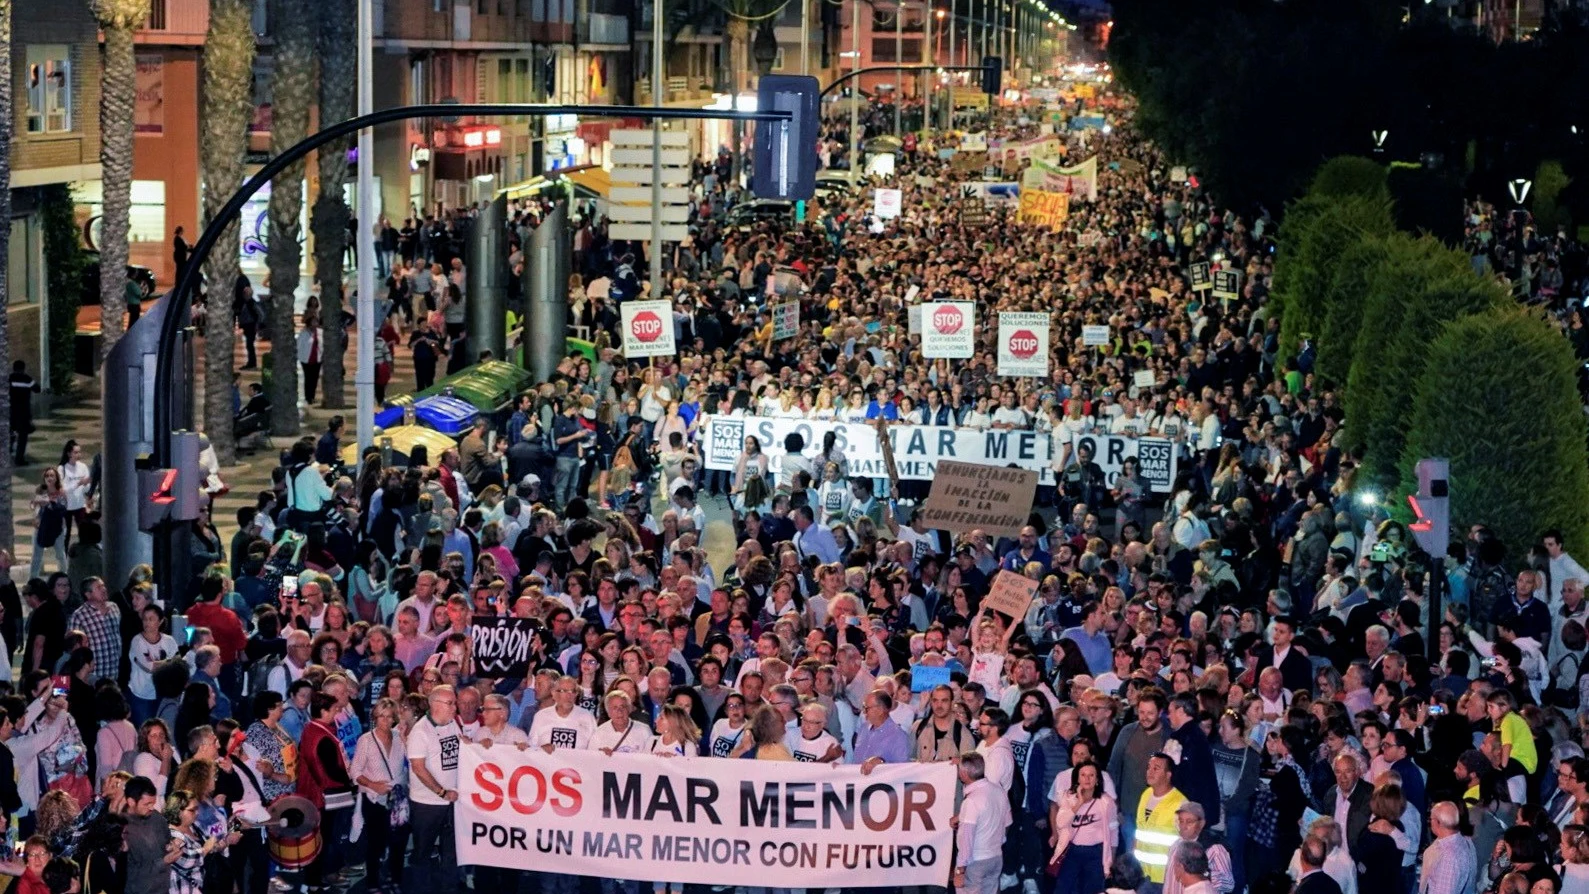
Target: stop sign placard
646, 326
948, 319
1023, 344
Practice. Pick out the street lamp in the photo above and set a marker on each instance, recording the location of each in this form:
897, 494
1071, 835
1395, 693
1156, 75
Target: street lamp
1519, 188
1379, 139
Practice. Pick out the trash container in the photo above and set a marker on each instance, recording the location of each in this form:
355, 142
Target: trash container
449, 415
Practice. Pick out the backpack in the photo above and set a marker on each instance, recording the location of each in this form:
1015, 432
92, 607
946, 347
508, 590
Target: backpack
258, 679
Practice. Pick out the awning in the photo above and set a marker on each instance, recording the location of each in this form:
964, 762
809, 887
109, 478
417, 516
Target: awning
526, 188
594, 181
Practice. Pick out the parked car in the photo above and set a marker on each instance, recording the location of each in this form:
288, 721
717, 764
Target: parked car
143, 276
747, 214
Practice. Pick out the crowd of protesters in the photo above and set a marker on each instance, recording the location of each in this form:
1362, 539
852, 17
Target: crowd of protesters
1234, 686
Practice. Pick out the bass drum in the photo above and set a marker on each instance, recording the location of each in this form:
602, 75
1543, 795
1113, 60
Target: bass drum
295, 852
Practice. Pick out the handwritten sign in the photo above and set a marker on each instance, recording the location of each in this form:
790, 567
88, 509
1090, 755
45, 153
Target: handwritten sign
1094, 336
1010, 593
924, 678
967, 497
785, 320
502, 647
1042, 208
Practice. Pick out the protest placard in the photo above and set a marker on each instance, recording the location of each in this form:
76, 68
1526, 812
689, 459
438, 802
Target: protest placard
1010, 593
502, 647
968, 497
647, 329
1043, 208
1201, 279
1095, 336
785, 320
1023, 344
948, 329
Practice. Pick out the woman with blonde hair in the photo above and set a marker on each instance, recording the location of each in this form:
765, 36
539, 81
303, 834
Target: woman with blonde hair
677, 734
766, 737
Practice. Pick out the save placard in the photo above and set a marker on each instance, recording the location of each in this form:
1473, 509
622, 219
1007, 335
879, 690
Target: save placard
785, 320
1227, 284
1011, 593
1199, 274
948, 329
1023, 344
967, 497
647, 329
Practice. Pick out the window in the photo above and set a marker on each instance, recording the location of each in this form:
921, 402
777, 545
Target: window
49, 89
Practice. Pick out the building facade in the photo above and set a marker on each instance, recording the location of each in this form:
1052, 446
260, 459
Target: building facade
55, 77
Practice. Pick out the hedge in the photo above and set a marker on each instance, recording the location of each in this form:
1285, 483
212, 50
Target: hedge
1498, 397
1343, 308
1316, 231
1350, 175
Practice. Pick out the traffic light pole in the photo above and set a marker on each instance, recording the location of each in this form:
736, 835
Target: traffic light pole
180, 298
165, 422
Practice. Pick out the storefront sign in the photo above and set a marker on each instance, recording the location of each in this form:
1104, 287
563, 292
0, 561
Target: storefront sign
706, 822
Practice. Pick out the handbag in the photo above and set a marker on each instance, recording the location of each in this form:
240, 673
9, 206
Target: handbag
397, 804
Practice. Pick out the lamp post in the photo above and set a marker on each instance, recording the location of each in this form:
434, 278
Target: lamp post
855, 66
899, 57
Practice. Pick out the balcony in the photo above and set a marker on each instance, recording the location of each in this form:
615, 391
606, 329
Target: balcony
175, 22
601, 30
680, 91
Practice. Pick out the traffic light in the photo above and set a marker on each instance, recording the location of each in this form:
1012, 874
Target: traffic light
992, 75
1432, 505
189, 484
786, 152
156, 493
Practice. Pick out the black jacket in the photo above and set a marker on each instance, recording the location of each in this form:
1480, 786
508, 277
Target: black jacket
1357, 815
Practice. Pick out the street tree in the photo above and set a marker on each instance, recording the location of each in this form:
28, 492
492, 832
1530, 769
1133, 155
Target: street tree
329, 221
292, 88
117, 19
228, 106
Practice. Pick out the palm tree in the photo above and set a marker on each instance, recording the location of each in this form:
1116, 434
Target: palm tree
291, 94
7, 531
227, 96
118, 96
338, 72
742, 14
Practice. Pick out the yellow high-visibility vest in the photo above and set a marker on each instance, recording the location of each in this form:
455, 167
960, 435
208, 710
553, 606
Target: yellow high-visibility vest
1156, 832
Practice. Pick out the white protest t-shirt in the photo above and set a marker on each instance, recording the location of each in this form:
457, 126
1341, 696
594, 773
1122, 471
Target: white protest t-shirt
511, 736
726, 737
811, 750
145, 654
438, 747
635, 739
574, 731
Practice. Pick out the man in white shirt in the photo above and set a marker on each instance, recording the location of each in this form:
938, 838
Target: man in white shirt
433, 749
1190, 869
1009, 415
815, 744
494, 726
812, 539
291, 669
980, 828
423, 600
1562, 568
996, 751
566, 725
621, 734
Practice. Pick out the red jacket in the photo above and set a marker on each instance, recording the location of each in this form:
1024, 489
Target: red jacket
316, 775
224, 623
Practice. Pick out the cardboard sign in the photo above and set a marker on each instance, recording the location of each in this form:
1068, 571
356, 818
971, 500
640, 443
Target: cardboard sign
1143, 378
1023, 344
647, 329
1043, 208
925, 678
948, 329
502, 647
785, 320
1202, 279
887, 203
1011, 594
966, 162
973, 212
1227, 284
1095, 336
967, 497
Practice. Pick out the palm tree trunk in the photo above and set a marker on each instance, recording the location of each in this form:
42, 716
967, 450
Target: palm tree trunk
330, 216
7, 528
118, 96
737, 30
292, 92
227, 107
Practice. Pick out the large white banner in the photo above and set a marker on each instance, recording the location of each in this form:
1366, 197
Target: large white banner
647, 329
1023, 344
948, 329
706, 821
917, 448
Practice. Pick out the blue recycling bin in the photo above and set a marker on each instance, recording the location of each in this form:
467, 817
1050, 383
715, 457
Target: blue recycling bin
451, 416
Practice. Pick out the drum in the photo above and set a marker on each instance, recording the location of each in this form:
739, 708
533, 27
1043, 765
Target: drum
295, 852
293, 832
